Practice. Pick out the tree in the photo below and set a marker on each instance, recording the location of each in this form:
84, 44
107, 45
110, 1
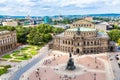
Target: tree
22, 33
116, 26
44, 28
58, 30
40, 34
119, 41
36, 35
10, 28
114, 35
47, 37
66, 21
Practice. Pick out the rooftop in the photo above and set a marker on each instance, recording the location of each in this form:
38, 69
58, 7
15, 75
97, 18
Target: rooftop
102, 34
81, 29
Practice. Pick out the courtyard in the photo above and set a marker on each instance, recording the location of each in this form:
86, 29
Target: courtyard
89, 67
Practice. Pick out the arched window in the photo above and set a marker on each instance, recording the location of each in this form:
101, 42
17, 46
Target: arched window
90, 25
69, 42
91, 43
63, 42
72, 42
84, 43
87, 43
68, 49
78, 44
95, 43
91, 51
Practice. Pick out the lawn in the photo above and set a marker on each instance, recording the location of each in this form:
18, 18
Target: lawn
22, 54
4, 69
7, 56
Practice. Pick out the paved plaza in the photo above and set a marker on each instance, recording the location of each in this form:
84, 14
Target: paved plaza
88, 67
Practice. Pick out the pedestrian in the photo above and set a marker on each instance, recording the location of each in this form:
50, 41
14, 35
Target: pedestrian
22, 76
44, 70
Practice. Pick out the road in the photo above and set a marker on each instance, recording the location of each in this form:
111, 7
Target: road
44, 51
114, 64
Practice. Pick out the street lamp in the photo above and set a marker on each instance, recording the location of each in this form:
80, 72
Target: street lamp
94, 76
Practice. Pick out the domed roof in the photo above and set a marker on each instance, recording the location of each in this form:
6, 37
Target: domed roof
81, 29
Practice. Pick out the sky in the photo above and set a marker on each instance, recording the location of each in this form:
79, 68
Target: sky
57, 7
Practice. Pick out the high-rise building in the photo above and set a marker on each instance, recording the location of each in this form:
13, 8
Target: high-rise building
47, 20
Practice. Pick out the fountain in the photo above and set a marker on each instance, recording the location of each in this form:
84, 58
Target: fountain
70, 63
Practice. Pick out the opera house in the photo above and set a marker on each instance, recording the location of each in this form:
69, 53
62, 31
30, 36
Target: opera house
82, 38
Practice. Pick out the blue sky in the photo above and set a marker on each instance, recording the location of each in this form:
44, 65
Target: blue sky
57, 7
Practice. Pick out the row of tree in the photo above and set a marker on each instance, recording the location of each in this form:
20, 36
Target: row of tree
34, 35
102, 19
64, 21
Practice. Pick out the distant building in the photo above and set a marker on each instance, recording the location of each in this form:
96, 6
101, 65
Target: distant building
82, 23
47, 20
8, 41
88, 19
59, 18
103, 26
61, 26
28, 17
11, 23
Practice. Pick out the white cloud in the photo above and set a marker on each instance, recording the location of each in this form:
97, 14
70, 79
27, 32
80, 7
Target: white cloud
6, 9
43, 7
2, 1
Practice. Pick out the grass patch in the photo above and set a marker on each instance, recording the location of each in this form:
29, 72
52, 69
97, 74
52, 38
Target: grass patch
33, 52
15, 60
4, 69
23, 54
7, 56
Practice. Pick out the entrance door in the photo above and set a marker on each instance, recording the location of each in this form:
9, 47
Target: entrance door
111, 48
77, 50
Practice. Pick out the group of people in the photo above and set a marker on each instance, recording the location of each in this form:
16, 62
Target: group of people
48, 61
66, 77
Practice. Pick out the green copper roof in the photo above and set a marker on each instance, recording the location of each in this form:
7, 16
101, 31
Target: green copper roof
81, 29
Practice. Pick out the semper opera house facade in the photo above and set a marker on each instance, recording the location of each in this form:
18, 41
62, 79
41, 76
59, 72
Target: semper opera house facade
8, 41
82, 38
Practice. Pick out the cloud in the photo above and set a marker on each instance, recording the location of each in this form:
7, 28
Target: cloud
52, 7
2, 1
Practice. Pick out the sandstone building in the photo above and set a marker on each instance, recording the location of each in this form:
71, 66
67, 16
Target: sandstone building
8, 41
82, 23
10, 23
82, 40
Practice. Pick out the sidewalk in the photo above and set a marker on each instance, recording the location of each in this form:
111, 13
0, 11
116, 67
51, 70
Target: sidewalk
115, 67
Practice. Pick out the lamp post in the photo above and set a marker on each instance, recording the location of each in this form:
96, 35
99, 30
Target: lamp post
94, 76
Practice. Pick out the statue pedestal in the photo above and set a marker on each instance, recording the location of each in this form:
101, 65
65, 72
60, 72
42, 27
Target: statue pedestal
70, 64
